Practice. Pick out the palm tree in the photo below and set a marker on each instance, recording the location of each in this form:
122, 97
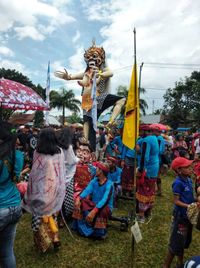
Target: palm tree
65, 99
122, 91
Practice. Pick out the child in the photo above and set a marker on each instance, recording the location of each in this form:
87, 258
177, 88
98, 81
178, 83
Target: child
181, 233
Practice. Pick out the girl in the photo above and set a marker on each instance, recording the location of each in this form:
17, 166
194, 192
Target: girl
46, 190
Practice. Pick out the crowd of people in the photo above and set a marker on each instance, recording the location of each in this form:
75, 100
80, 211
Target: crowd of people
54, 175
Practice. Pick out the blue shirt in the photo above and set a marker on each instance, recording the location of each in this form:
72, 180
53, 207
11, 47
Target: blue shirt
183, 188
161, 143
115, 176
101, 194
139, 142
126, 152
150, 156
9, 195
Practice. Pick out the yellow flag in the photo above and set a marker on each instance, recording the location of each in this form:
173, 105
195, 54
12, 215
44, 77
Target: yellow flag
132, 113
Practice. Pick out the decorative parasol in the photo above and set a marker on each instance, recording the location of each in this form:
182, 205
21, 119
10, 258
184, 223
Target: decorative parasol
159, 126
16, 96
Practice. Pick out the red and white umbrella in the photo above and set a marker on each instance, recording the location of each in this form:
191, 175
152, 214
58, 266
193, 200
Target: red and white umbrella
159, 126
16, 96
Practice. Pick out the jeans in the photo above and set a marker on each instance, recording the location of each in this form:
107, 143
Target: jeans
8, 222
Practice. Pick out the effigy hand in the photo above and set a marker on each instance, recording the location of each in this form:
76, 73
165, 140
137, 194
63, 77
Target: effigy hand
63, 75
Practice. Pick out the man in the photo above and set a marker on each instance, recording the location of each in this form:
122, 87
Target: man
147, 174
91, 214
156, 130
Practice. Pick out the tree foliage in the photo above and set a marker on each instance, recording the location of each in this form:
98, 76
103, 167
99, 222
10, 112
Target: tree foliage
182, 103
65, 99
122, 91
38, 119
74, 118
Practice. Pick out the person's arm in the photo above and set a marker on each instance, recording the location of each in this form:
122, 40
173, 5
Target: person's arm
185, 145
119, 173
88, 190
101, 203
179, 203
106, 196
19, 162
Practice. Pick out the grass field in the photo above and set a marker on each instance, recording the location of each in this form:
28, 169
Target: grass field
115, 251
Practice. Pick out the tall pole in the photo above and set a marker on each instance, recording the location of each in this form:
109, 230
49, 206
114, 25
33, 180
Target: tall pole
136, 125
47, 94
140, 77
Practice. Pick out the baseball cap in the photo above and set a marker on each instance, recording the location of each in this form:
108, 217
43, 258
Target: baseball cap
180, 162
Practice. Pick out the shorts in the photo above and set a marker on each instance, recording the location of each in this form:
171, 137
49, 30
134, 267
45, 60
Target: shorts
181, 235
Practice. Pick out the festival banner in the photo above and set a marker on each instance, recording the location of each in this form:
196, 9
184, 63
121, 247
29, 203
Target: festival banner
47, 94
94, 103
131, 122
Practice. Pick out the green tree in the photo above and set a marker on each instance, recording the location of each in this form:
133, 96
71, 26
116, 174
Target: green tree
38, 119
182, 103
158, 111
18, 77
63, 100
74, 118
122, 91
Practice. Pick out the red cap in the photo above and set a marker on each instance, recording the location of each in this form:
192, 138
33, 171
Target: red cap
102, 166
180, 162
112, 159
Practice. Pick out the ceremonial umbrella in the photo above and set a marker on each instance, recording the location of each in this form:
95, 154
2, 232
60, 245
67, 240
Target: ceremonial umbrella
159, 126
16, 96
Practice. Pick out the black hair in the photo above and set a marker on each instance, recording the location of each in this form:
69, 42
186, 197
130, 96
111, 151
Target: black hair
183, 153
105, 173
64, 137
47, 142
7, 144
8, 140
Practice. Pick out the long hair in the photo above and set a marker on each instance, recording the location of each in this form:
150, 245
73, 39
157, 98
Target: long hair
7, 144
64, 137
47, 142
7, 140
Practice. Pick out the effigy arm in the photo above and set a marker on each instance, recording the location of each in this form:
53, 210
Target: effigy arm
106, 73
66, 76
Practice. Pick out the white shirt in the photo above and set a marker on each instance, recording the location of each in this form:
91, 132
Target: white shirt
197, 146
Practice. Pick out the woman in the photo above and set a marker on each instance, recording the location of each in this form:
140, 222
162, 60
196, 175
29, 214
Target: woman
179, 145
46, 190
11, 164
64, 137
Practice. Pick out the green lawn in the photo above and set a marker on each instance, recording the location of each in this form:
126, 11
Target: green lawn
113, 252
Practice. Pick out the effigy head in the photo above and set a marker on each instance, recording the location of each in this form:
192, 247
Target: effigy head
94, 56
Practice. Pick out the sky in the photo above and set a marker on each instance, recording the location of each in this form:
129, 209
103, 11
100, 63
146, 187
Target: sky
34, 32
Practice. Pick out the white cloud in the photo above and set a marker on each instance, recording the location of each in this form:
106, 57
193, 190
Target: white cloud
76, 61
76, 37
5, 51
61, 3
29, 31
41, 17
7, 64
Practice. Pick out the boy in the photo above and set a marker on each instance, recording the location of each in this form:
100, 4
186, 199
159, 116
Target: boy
181, 233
